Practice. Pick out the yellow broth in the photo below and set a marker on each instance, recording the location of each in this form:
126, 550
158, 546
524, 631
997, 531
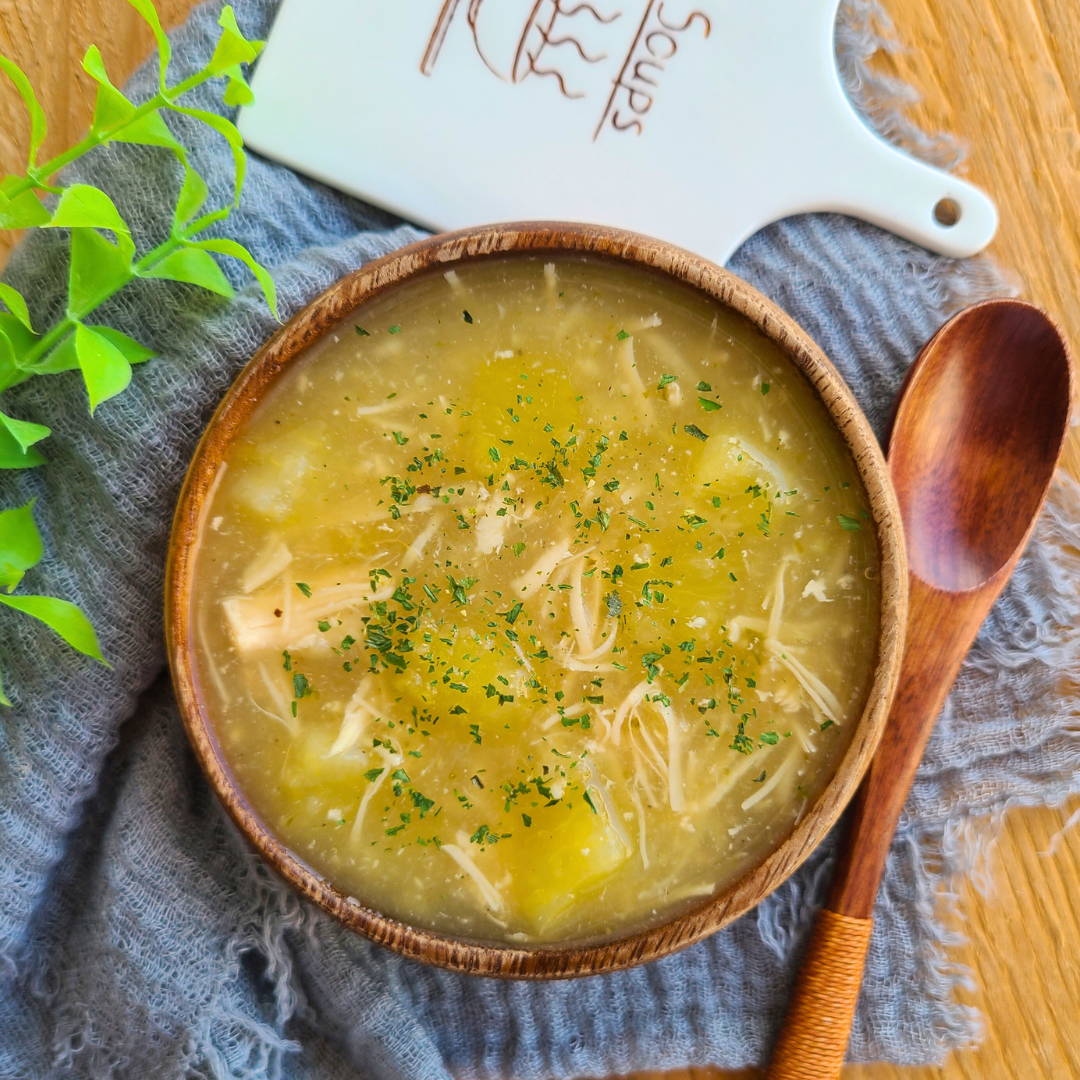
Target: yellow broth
537, 602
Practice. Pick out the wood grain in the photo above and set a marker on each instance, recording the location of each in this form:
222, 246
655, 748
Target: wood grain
47, 39
1004, 75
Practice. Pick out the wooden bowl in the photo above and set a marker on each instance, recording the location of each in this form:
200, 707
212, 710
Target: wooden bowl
321, 316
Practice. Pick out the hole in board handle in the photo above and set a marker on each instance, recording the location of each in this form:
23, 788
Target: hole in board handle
947, 212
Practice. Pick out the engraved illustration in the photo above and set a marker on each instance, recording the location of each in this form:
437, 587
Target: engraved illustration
551, 38
514, 41
539, 36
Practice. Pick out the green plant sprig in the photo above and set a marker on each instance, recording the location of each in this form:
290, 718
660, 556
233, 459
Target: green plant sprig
100, 267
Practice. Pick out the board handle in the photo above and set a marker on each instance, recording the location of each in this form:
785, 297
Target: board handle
818, 1024
888, 187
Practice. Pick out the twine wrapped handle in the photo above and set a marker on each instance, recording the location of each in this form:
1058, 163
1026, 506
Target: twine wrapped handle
815, 1035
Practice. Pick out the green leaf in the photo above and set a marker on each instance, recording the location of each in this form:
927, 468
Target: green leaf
146, 9
63, 617
98, 269
23, 212
193, 193
24, 432
83, 206
4, 699
12, 455
195, 267
15, 304
22, 340
94, 66
237, 91
228, 131
15, 342
238, 251
106, 371
37, 114
111, 108
62, 358
132, 351
7, 352
65, 358
20, 544
232, 47
151, 130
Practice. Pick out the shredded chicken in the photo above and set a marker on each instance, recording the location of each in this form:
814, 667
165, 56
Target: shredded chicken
777, 475
271, 561
626, 707
770, 784
357, 714
636, 796
275, 622
488, 893
625, 355
676, 792
390, 761
737, 772
579, 616
281, 711
819, 693
537, 574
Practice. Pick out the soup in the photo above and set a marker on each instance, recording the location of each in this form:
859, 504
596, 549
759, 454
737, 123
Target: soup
537, 601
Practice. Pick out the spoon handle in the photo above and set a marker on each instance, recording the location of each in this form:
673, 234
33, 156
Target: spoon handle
941, 627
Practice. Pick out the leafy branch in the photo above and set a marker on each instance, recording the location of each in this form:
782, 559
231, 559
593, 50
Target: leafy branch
101, 266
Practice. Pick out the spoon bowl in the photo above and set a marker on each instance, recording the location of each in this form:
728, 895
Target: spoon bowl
980, 423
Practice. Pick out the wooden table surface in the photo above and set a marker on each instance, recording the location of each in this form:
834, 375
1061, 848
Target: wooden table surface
1004, 75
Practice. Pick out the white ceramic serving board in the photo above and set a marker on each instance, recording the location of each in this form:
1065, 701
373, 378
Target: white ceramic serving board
697, 121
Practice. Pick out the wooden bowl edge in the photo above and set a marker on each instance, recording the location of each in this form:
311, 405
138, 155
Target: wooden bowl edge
310, 324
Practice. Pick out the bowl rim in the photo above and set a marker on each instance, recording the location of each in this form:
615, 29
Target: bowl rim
319, 317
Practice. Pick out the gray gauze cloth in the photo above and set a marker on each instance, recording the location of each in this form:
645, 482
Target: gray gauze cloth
141, 937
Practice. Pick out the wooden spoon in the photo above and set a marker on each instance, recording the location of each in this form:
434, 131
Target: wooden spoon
978, 429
